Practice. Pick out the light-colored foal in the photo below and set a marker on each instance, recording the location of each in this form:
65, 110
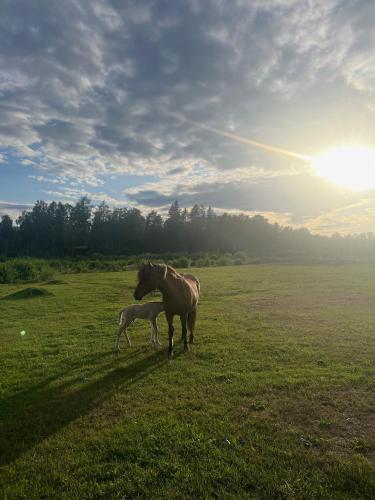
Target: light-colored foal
149, 311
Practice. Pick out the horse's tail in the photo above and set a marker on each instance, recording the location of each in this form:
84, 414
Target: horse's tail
191, 319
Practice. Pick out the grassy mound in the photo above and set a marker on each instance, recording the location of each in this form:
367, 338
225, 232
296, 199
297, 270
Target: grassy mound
28, 293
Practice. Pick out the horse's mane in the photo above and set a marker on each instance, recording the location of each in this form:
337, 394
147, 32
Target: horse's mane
145, 269
173, 270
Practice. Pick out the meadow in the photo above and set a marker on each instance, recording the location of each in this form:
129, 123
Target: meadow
275, 399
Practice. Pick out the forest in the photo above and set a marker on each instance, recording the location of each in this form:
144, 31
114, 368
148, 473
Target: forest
59, 229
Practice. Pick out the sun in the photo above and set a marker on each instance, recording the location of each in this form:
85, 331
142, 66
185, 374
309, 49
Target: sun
348, 167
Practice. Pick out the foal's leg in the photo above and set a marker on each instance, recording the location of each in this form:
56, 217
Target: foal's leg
123, 329
152, 334
127, 336
156, 331
170, 333
183, 319
117, 342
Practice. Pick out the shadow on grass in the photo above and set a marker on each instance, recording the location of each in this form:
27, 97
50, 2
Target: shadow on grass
29, 417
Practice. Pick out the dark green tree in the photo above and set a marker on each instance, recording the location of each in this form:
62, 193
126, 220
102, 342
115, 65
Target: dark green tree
80, 224
196, 228
6, 233
101, 239
154, 241
174, 228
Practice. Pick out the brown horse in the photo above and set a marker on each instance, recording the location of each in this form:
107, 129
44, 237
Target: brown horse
180, 296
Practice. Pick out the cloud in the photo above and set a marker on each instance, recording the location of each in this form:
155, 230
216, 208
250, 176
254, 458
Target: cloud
101, 79
303, 194
12, 209
355, 217
71, 195
41, 178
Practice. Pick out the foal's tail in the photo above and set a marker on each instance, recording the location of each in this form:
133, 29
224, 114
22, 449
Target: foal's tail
120, 315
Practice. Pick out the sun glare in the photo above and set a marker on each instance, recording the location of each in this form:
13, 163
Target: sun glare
349, 167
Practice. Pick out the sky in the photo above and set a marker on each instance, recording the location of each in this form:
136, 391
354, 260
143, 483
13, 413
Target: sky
141, 102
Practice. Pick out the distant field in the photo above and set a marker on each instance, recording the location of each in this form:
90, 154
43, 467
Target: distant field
275, 400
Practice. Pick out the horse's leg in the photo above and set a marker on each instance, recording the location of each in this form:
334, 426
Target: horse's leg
170, 332
183, 319
192, 316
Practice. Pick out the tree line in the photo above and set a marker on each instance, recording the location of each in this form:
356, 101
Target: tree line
60, 229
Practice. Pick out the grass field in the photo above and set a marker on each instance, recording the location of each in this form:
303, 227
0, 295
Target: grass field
275, 400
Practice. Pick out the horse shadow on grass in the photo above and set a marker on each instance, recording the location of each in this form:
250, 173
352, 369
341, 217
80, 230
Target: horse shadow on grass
29, 417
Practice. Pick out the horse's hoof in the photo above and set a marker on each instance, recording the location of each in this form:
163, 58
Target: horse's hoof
170, 354
186, 348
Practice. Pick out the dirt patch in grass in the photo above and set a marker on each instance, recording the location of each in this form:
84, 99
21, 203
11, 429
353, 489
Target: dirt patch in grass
342, 421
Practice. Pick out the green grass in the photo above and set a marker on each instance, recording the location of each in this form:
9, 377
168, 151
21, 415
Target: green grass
275, 400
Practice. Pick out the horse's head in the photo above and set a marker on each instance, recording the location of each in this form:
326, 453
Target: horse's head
149, 278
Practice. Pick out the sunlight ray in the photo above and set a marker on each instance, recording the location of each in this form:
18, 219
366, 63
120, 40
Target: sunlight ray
251, 142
